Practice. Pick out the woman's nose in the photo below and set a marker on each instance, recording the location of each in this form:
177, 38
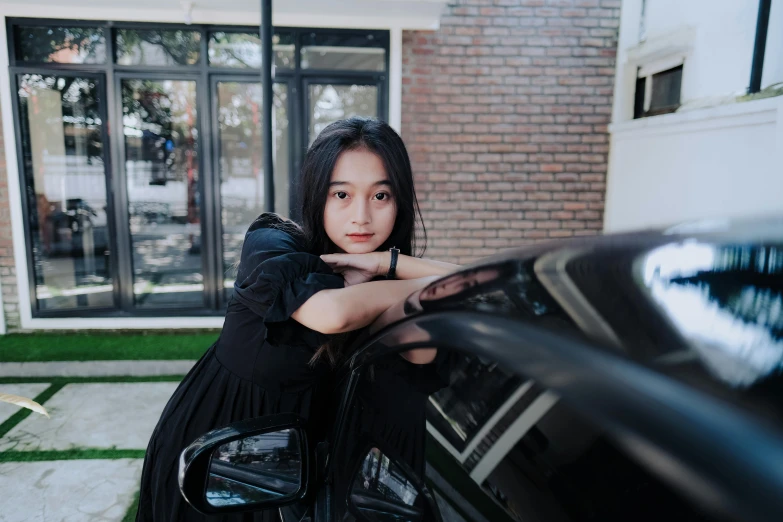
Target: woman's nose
361, 215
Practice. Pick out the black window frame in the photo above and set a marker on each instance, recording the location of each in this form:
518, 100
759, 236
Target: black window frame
110, 75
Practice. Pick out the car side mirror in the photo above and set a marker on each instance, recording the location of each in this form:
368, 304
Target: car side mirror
386, 490
251, 465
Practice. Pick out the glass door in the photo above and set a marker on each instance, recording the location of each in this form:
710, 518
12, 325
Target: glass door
64, 158
239, 159
329, 101
161, 145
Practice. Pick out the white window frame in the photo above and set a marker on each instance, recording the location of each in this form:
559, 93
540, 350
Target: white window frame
652, 56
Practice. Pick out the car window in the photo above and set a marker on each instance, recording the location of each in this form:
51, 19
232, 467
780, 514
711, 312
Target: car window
532, 458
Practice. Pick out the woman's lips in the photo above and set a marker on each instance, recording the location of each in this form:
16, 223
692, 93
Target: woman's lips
360, 238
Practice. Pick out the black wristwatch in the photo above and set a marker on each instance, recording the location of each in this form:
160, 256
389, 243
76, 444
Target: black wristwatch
392, 273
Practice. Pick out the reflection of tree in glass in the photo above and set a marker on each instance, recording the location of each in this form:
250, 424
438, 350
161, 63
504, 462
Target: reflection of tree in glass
61, 44
241, 156
135, 47
81, 118
235, 50
163, 116
329, 103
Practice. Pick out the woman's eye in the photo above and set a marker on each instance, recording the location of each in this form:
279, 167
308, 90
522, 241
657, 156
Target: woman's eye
382, 196
341, 195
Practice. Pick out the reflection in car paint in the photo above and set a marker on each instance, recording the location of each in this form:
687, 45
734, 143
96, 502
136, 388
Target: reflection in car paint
734, 324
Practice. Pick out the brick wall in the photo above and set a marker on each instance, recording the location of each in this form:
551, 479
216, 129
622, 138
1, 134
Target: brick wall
505, 111
7, 268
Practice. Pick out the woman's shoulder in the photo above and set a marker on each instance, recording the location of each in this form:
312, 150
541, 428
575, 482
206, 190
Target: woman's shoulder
271, 232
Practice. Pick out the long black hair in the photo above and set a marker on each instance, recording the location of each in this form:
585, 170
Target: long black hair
359, 134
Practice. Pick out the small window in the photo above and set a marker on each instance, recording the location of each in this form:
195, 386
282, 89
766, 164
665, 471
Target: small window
243, 50
156, 47
59, 44
658, 93
344, 52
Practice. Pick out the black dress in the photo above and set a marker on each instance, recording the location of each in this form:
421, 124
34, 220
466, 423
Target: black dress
258, 366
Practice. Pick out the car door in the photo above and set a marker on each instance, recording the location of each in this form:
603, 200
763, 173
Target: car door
537, 421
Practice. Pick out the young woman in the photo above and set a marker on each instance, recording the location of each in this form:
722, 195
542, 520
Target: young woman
281, 336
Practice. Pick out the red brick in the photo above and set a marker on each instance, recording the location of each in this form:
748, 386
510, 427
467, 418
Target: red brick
505, 108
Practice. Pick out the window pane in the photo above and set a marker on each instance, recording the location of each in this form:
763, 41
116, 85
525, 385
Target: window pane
161, 167
329, 103
65, 178
666, 88
476, 392
153, 47
355, 52
241, 163
60, 44
243, 50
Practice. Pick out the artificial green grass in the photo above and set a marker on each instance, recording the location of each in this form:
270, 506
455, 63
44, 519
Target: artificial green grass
97, 378
71, 454
39, 347
23, 413
130, 515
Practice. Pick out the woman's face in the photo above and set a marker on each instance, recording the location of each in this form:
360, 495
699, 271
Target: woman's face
360, 208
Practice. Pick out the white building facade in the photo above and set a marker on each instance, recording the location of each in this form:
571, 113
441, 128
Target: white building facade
714, 152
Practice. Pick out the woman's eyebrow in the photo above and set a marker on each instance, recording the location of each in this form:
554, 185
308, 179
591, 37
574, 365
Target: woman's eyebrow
384, 182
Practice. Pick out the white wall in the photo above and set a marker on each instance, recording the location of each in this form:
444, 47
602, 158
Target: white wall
718, 162
724, 34
715, 157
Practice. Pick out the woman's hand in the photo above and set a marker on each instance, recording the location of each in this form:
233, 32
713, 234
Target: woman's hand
355, 268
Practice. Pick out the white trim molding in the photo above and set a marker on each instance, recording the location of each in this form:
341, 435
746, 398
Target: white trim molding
14, 190
395, 79
734, 114
656, 54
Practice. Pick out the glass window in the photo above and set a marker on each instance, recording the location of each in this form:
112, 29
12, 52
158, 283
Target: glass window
352, 52
161, 167
666, 87
57, 44
65, 178
329, 103
243, 50
157, 47
478, 389
241, 163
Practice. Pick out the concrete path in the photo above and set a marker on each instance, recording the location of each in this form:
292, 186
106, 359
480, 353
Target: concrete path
93, 419
95, 368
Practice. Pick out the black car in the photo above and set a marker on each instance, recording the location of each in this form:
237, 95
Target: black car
623, 378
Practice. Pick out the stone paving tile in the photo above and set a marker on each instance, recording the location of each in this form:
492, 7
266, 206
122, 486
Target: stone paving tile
93, 415
25, 390
94, 368
68, 490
